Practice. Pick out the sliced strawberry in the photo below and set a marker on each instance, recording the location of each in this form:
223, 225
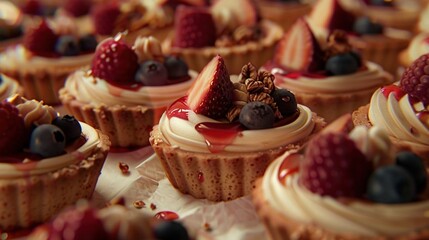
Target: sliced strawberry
334, 166
77, 7
104, 17
299, 50
414, 80
244, 11
41, 40
115, 61
12, 129
194, 28
329, 14
212, 93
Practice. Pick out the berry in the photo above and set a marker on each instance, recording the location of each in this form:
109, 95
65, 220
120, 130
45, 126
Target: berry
382, 3
330, 14
176, 67
391, 184
365, 26
285, 101
195, 28
257, 115
104, 17
334, 166
70, 126
211, 95
299, 50
77, 7
415, 80
152, 73
341, 64
415, 167
169, 230
67, 45
357, 57
115, 61
31, 7
1, 79
41, 40
12, 129
88, 43
47, 140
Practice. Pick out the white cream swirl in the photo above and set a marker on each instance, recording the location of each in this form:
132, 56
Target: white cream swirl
8, 87
28, 168
18, 58
372, 77
419, 45
182, 133
355, 217
95, 91
397, 118
34, 112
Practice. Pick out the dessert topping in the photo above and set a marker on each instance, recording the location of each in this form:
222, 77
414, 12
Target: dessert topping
285, 101
41, 40
415, 80
47, 140
105, 16
415, 167
341, 64
176, 67
166, 215
330, 14
230, 15
257, 115
365, 26
12, 129
34, 112
70, 126
148, 48
77, 7
152, 73
67, 45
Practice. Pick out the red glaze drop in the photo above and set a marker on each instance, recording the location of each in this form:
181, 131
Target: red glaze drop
396, 90
289, 166
200, 177
178, 109
423, 116
166, 215
218, 135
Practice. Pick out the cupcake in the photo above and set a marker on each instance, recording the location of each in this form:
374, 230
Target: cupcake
126, 89
47, 55
9, 87
284, 13
10, 25
214, 142
364, 191
47, 162
329, 77
376, 42
115, 222
232, 29
401, 109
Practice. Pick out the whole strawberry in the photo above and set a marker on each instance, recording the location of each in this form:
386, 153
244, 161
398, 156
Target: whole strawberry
77, 7
415, 80
334, 166
104, 17
115, 61
41, 40
12, 129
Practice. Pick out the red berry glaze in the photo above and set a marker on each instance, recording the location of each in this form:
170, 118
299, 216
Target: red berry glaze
415, 80
334, 166
41, 40
12, 130
104, 17
115, 61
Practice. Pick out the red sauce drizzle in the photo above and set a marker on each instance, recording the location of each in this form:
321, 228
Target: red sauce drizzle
116, 88
178, 109
289, 166
166, 215
218, 135
398, 93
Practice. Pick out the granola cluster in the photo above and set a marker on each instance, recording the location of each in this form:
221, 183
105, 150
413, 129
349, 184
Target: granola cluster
240, 35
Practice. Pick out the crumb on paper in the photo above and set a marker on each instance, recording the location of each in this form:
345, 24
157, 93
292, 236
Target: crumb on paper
125, 169
117, 201
207, 227
152, 206
139, 204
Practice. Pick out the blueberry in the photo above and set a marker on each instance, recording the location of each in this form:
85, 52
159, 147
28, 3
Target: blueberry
169, 230
285, 101
357, 57
1, 79
384, 3
391, 184
47, 140
67, 45
415, 167
70, 126
88, 43
365, 26
341, 64
176, 67
257, 115
152, 73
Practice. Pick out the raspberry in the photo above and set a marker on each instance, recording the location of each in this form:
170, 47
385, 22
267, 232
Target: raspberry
334, 166
41, 40
12, 130
104, 18
77, 7
115, 61
415, 80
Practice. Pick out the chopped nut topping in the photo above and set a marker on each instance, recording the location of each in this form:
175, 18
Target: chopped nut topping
125, 169
248, 71
207, 227
139, 204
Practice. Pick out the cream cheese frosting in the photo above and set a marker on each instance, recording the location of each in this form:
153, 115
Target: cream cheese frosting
29, 167
398, 118
372, 77
97, 92
8, 87
351, 217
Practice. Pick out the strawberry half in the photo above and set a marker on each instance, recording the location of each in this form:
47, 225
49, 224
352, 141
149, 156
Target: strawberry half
194, 28
104, 17
245, 11
77, 7
299, 50
334, 166
212, 93
41, 40
329, 14
115, 61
